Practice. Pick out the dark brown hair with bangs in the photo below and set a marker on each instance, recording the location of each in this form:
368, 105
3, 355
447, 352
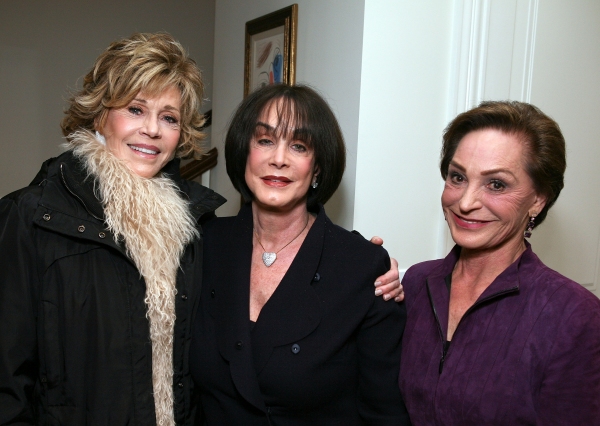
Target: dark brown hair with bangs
300, 108
544, 152
148, 62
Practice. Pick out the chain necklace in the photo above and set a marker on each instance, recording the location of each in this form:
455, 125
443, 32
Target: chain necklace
269, 258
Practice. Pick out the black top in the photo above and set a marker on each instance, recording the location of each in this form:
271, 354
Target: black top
324, 349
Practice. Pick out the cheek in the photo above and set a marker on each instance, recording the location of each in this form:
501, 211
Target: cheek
508, 207
450, 195
174, 144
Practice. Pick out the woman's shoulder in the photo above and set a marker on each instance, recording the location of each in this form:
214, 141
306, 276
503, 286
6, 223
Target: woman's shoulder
556, 285
418, 272
351, 242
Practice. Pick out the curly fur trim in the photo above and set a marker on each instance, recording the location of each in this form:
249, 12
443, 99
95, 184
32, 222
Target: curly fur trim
155, 223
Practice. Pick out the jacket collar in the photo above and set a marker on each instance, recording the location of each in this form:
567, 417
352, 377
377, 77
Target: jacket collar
69, 196
508, 282
74, 178
292, 312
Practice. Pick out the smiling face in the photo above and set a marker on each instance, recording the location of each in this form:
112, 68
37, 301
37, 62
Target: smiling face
280, 166
145, 133
488, 195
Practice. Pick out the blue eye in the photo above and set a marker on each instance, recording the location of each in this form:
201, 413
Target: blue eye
298, 147
134, 110
264, 142
171, 119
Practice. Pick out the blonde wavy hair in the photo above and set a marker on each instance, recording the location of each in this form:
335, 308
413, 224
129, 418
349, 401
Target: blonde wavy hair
148, 62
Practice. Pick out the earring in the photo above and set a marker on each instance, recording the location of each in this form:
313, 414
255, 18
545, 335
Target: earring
530, 226
315, 183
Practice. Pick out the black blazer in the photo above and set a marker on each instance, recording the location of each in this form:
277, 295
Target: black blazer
324, 349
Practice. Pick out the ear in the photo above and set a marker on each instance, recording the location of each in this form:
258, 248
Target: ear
316, 171
538, 205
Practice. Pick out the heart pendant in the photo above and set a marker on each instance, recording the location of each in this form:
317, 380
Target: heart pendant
269, 258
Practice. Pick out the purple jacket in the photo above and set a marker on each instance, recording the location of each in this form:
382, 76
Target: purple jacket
527, 352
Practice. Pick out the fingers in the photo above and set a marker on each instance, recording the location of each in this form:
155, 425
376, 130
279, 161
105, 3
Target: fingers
388, 284
377, 240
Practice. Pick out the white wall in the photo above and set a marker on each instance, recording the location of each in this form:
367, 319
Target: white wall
404, 96
566, 85
329, 55
46, 46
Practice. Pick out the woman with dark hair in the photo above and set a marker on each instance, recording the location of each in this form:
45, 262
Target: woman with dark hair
289, 330
493, 335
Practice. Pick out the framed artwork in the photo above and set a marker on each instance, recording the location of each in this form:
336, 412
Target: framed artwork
271, 49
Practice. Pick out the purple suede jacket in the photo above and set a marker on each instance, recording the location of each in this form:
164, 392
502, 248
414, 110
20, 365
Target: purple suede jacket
526, 353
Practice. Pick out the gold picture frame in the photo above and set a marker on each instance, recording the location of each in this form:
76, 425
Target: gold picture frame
270, 53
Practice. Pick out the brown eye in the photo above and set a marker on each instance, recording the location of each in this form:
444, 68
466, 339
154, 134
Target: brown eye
497, 185
456, 177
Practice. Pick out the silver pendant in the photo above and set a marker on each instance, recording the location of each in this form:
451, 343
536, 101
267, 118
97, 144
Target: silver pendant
269, 258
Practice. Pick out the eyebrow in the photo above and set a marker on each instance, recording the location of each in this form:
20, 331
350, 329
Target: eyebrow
300, 133
485, 172
145, 102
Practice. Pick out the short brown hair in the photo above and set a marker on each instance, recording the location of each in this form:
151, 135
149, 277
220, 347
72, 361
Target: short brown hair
545, 145
143, 62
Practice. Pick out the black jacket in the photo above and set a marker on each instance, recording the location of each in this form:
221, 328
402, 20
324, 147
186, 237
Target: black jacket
324, 350
74, 338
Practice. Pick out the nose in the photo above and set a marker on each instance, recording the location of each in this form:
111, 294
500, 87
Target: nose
279, 158
470, 199
151, 126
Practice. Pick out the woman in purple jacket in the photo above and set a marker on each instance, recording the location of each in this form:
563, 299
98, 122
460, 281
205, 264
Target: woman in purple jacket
493, 335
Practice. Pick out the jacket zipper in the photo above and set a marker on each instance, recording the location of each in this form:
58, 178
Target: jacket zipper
446, 346
441, 332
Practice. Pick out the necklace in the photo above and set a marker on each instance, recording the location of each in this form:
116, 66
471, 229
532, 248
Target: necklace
269, 258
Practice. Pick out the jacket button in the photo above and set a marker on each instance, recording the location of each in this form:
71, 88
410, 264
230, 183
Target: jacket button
102, 235
81, 228
295, 348
239, 345
212, 294
180, 384
46, 217
317, 277
43, 379
184, 296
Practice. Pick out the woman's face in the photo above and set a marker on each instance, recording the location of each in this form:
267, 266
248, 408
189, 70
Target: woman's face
280, 168
146, 132
488, 196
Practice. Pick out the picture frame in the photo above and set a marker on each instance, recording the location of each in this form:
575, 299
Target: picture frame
270, 51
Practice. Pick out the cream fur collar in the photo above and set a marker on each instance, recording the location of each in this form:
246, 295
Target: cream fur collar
155, 224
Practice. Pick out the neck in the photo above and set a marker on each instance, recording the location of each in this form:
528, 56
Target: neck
483, 266
277, 228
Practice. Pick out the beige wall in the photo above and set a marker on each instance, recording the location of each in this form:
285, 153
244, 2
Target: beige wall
46, 46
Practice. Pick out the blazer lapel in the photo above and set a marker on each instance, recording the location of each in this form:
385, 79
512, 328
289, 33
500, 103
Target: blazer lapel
294, 310
231, 313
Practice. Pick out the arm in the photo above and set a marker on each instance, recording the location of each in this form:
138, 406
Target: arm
570, 390
379, 348
18, 352
389, 284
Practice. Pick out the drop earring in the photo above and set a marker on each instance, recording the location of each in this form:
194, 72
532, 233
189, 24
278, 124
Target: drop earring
530, 226
314, 183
